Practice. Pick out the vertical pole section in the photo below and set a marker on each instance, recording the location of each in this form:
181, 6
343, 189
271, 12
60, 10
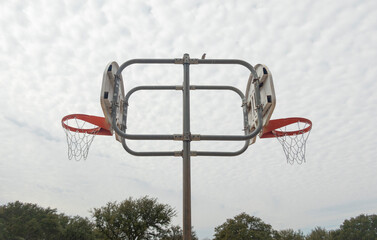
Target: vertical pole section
186, 150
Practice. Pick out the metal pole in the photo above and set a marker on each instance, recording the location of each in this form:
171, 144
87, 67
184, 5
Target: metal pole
186, 136
186, 150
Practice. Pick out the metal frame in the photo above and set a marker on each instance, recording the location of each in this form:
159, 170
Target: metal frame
186, 137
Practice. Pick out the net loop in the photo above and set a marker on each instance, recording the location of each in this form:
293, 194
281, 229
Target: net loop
294, 146
292, 134
80, 131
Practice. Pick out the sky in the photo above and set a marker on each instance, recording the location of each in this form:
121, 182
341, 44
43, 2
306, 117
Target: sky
322, 56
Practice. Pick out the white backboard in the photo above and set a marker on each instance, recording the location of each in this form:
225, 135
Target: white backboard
268, 98
107, 93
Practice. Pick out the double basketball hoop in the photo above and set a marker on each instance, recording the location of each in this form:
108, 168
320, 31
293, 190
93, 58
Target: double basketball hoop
257, 106
292, 133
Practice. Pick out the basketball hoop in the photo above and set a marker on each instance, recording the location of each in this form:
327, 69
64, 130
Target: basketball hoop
292, 134
80, 130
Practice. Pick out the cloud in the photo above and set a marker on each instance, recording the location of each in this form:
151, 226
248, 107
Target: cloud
321, 55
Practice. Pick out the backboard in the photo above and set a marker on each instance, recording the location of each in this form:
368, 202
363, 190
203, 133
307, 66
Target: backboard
107, 92
268, 98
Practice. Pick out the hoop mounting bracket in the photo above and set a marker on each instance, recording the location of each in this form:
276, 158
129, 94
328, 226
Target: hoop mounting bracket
195, 137
186, 137
178, 137
255, 80
186, 60
178, 154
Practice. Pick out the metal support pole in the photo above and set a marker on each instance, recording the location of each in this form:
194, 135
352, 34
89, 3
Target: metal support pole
186, 150
186, 137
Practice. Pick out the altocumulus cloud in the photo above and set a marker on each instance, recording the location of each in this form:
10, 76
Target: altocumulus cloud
321, 54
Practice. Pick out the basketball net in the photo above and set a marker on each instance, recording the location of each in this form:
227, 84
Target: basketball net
294, 146
79, 141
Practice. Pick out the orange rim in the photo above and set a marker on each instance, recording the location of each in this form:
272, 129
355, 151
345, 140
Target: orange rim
270, 130
102, 129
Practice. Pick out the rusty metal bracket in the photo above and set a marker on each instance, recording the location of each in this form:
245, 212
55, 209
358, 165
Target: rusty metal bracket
178, 154
187, 137
195, 137
186, 60
178, 137
193, 154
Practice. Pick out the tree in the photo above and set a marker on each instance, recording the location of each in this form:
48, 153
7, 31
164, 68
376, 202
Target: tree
363, 227
334, 234
244, 227
77, 228
289, 234
319, 234
176, 233
28, 221
131, 219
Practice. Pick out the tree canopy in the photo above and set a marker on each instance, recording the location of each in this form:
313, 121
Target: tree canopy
176, 233
133, 219
30, 221
244, 227
145, 218
362, 227
289, 234
319, 234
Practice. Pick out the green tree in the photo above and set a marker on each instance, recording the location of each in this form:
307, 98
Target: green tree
77, 228
131, 219
289, 234
244, 227
363, 227
176, 233
319, 234
334, 234
28, 221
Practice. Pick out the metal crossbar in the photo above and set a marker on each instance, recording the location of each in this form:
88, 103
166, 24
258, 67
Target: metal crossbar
186, 137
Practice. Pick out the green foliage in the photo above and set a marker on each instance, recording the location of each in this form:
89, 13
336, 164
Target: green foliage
244, 227
319, 234
289, 234
363, 227
176, 233
28, 221
334, 234
77, 228
144, 218
131, 219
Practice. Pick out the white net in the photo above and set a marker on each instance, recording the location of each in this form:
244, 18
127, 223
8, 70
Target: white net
294, 146
79, 142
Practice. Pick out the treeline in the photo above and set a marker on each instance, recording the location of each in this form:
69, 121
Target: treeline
243, 226
145, 218
131, 219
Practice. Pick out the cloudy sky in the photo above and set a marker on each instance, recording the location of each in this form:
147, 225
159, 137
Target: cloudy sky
322, 55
